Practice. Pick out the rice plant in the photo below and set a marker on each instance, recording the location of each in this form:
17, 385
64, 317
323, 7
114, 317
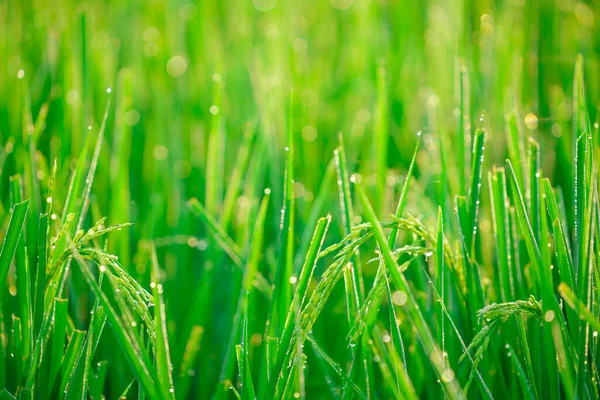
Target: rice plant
258, 199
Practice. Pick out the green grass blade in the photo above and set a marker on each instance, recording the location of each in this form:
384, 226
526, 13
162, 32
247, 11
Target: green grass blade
546, 290
6, 395
285, 348
244, 361
463, 132
222, 388
521, 374
347, 218
353, 276
128, 341
500, 215
162, 354
98, 380
475, 188
578, 306
563, 253
241, 166
386, 360
450, 384
404, 192
441, 282
40, 272
84, 200
220, 235
319, 207
16, 349
186, 371
281, 300
485, 391
526, 356
530, 241
516, 148
215, 161
335, 367
23, 281
376, 293
324, 367
59, 335
74, 352
93, 338
70, 205
474, 293
121, 150
534, 187
399, 362
9, 246
381, 135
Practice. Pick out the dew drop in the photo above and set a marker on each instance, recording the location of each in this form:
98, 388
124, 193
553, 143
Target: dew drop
448, 375
531, 121
399, 298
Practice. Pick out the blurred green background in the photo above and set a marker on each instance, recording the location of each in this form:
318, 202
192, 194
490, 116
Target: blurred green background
197, 88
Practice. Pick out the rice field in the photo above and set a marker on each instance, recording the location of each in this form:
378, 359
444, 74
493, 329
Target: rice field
262, 199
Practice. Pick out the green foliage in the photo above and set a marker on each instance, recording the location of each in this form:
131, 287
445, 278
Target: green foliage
230, 200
